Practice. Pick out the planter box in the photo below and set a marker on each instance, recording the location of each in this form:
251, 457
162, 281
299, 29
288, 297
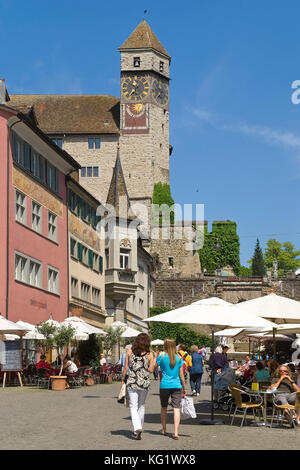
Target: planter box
58, 382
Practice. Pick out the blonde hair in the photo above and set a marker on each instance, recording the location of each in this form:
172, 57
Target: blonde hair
194, 348
170, 349
277, 373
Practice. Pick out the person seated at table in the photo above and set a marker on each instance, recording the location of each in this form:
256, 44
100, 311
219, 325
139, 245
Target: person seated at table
261, 374
43, 364
69, 366
286, 390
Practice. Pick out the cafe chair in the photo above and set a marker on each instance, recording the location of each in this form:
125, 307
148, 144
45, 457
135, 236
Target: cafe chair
42, 379
244, 406
280, 409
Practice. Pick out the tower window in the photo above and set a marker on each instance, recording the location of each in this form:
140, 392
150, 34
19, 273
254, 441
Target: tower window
171, 262
161, 66
94, 142
136, 61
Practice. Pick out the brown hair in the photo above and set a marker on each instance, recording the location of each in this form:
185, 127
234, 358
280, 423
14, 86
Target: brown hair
141, 344
170, 349
194, 349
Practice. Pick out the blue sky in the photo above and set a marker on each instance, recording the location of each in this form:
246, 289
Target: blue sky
233, 126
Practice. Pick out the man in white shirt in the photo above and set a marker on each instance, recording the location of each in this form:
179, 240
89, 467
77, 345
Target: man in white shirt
102, 360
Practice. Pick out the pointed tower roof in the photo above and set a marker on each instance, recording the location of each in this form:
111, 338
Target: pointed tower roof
143, 38
117, 194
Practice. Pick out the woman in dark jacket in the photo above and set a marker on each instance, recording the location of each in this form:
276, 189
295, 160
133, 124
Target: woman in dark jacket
196, 370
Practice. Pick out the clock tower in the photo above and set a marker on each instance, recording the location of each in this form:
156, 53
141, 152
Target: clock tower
144, 113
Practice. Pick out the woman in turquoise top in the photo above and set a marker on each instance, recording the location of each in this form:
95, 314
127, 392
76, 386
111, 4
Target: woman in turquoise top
172, 384
261, 374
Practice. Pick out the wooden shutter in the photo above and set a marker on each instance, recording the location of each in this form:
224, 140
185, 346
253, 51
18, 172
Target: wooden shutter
91, 258
101, 264
79, 251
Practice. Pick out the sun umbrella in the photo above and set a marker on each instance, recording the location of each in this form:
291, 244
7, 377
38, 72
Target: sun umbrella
82, 328
289, 328
10, 327
157, 342
213, 315
128, 332
33, 333
274, 307
212, 301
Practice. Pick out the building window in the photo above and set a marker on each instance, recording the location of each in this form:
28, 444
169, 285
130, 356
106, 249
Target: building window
96, 296
35, 273
52, 226
28, 270
107, 257
161, 66
58, 141
36, 217
53, 280
85, 255
73, 247
85, 292
171, 262
136, 61
94, 142
37, 165
18, 155
124, 259
20, 268
52, 177
90, 171
20, 209
74, 287
95, 262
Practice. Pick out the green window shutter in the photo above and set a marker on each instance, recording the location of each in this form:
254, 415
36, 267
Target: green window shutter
79, 251
91, 259
101, 264
70, 198
73, 243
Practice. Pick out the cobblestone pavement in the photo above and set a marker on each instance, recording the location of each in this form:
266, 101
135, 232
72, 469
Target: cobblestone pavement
90, 418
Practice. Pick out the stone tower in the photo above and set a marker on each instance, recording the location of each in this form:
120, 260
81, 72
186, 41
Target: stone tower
144, 113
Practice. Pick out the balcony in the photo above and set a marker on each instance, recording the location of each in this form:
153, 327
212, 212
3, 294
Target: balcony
120, 283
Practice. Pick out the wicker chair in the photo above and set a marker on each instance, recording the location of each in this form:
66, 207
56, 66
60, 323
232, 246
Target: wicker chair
282, 408
244, 406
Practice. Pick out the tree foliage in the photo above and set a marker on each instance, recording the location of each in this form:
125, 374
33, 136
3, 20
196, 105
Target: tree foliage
287, 257
180, 333
258, 264
228, 254
113, 337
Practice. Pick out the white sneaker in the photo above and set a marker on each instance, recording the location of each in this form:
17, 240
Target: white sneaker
297, 421
193, 392
198, 394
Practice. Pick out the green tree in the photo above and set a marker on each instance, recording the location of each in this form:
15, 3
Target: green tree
245, 271
258, 264
287, 257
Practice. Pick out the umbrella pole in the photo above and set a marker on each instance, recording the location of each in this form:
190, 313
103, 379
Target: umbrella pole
212, 420
274, 343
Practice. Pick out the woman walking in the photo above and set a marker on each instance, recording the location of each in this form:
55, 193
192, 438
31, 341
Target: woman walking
140, 362
196, 370
172, 384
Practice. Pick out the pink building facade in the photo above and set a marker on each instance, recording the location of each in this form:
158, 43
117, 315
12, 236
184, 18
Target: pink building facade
34, 225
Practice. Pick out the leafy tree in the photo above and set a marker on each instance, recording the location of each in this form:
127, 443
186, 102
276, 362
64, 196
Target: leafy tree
113, 337
245, 271
258, 264
287, 257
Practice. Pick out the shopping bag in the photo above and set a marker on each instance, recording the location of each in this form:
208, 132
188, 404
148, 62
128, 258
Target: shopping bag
254, 386
187, 408
121, 397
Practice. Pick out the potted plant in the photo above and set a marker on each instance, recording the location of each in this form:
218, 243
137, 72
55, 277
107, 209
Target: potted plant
59, 337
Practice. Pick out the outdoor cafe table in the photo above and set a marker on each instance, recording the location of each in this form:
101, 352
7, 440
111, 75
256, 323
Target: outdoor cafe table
264, 394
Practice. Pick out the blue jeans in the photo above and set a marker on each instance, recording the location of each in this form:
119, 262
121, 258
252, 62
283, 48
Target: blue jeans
195, 381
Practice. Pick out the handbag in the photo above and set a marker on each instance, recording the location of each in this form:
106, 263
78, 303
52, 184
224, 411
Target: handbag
187, 409
122, 394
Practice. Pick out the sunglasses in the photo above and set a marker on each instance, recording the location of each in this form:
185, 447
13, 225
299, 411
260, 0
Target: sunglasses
283, 370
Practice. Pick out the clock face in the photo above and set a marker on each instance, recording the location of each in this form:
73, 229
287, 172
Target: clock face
160, 91
135, 88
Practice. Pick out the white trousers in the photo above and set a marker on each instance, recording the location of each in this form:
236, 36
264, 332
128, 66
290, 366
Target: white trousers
137, 400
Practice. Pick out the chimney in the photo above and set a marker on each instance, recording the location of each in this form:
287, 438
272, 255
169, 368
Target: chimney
3, 92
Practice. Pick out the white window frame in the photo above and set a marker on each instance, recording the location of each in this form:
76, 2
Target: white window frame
52, 226
85, 255
95, 262
20, 207
36, 216
96, 296
74, 290
124, 255
25, 275
52, 282
85, 292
